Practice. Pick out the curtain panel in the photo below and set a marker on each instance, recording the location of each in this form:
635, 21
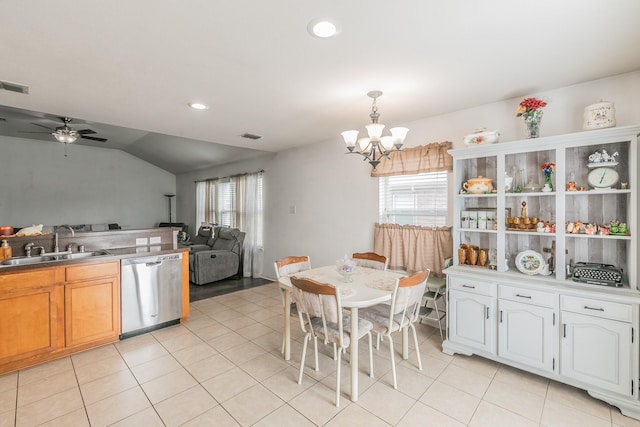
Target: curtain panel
421, 159
413, 248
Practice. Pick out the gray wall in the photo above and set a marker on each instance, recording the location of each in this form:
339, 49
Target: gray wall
336, 200
39, 185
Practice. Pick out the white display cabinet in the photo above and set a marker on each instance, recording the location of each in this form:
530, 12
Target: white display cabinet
582, 334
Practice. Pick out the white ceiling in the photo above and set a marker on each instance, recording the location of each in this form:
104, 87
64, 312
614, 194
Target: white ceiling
119, 66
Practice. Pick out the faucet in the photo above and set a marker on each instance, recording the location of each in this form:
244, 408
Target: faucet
42, 251
27, 249
73, 233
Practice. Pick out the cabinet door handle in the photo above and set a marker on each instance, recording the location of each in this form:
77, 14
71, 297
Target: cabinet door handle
586, 307
523, 296
500, 316
487, 312
564, 330
468, 286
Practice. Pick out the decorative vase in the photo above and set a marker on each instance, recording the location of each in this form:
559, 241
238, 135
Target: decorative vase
532, 121
548, 182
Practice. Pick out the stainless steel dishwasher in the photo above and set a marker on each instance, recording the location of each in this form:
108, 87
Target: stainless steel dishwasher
151, 293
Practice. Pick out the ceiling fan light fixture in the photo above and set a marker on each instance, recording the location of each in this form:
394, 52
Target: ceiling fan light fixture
65, 135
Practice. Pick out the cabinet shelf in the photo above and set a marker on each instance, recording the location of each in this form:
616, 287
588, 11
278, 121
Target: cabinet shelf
475, 230
478, 196
531, 194
530, 233
597, 236
597, 192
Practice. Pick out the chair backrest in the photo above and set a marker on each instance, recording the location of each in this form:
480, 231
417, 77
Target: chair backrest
228, 239
290, 265
407, 298
371, 260
203, 235
315, 300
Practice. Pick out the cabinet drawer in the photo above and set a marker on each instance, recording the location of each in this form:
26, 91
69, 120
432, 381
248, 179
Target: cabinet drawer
470, 285
27, 279
598, 308
527, 296
92, 271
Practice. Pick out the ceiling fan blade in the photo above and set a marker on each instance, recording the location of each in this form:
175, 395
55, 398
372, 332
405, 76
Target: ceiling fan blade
93, 138
24, 131
42, 126
86, 131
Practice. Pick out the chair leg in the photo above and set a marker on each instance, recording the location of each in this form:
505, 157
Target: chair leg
339, 361
415, 341
335, 351
435, 306
370, 355
304, 355
315, 346
393, 362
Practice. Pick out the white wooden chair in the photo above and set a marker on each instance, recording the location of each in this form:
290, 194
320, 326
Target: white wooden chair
320, 313
286, 267
403, 312
371, 260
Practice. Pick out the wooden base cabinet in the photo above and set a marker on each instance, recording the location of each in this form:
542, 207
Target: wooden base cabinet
92, 303
526, 334
30, 311
598, 351
585, 339
48, 313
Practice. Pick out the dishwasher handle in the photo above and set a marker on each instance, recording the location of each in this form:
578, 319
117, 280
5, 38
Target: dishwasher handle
151, 261
151, 264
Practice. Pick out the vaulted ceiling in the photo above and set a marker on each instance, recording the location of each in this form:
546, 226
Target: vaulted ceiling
127, 70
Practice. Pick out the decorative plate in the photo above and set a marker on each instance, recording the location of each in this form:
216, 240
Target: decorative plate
530, 262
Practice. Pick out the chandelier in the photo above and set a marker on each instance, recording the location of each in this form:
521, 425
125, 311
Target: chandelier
65, 134
375, 146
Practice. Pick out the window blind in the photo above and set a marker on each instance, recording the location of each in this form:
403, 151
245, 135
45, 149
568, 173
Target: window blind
419, 199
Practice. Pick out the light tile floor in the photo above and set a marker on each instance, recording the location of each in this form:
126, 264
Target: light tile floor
223, 368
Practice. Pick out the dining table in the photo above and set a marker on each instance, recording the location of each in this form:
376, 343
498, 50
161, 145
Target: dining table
363, 288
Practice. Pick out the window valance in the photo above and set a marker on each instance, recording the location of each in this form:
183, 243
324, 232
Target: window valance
414, 160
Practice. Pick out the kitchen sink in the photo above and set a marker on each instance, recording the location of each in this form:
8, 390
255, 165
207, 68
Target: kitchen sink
80, 255
28, 260
53, 257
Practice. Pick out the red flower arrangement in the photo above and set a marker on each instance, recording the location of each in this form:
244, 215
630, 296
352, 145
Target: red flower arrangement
548, 168
529, 105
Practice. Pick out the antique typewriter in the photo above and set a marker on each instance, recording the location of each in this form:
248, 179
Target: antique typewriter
597, 274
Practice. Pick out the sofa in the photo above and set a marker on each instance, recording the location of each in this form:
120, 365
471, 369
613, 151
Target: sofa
215, 254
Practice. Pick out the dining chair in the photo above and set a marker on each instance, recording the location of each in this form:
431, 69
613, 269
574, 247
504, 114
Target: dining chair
287, 266
436, 291
403, 312
320, 313
371, 260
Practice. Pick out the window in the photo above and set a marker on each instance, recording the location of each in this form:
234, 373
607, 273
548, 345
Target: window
231, 202
414, 199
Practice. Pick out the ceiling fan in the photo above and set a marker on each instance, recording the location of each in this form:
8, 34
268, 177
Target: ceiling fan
67, 135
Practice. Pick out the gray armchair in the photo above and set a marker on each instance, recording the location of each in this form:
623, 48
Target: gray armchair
219, 257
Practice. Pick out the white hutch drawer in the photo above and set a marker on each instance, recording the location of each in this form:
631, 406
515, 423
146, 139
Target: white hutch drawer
466, 284
598, 308
527, 296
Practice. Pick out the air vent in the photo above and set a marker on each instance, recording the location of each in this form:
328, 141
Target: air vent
251, 136
14, 87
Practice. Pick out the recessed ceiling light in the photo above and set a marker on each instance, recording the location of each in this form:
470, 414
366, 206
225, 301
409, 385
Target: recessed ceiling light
323, 28
198, 106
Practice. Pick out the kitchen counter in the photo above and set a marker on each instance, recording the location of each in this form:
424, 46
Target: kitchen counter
52, 309
115, 253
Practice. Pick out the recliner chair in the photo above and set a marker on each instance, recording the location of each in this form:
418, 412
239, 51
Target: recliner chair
219, 257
